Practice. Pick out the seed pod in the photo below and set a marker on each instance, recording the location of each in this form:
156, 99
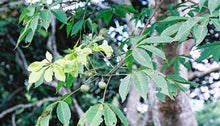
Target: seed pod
84, 88
102, 85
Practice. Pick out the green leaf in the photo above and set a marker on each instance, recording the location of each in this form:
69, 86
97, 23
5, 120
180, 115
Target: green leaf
176, 67
24, 32
142, 57
23, 15
76, 27
182, 88
69, 81
129, 60
120, 11
48, 74
35, 76
67, 98
129, 8
185, 28
216, 22
93, 116
173, 18
155, 51
171, 29
31, 10
201, 3
60, 15
109, 116
59, 85
34, 23
124, 87
199, 33
69, 27
119, 114
158, 80
140, 81
106, 14
29, 36
43, 120
157, 39
216, 55
46, 17
180, 79
161, 96
59, 74
186, 64
63, 112
213, 4
206, 53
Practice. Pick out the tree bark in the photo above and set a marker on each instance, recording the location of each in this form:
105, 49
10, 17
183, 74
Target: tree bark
178, 112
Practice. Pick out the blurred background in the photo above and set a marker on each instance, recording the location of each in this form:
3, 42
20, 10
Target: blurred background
205, 99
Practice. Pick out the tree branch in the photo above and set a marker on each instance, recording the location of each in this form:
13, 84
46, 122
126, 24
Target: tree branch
25, 106
194, 75
51, 42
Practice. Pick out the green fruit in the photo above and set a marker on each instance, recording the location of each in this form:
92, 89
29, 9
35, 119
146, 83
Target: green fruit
102, 85
84, 88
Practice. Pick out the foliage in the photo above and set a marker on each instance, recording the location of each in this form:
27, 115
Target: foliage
77, 64
209, 115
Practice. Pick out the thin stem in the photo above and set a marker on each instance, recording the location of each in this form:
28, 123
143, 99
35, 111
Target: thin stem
151, 16
103, 100
71, 94
93, 67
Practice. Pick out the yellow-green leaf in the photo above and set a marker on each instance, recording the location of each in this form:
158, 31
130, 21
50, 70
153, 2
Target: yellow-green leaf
35, 76
36, 66
49, 56
59, 74
48, 74
107, 49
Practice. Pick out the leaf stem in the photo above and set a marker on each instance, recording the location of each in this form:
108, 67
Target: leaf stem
103, 100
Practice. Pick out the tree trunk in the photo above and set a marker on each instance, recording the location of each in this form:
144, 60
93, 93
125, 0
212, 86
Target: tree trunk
178, 112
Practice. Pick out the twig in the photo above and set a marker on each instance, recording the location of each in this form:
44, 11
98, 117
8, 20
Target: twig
20, 52
14, 93
25, 106
203, 74
151, 16
13, 120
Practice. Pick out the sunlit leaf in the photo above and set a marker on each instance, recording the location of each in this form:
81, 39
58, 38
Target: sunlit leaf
48, 74
59, 74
